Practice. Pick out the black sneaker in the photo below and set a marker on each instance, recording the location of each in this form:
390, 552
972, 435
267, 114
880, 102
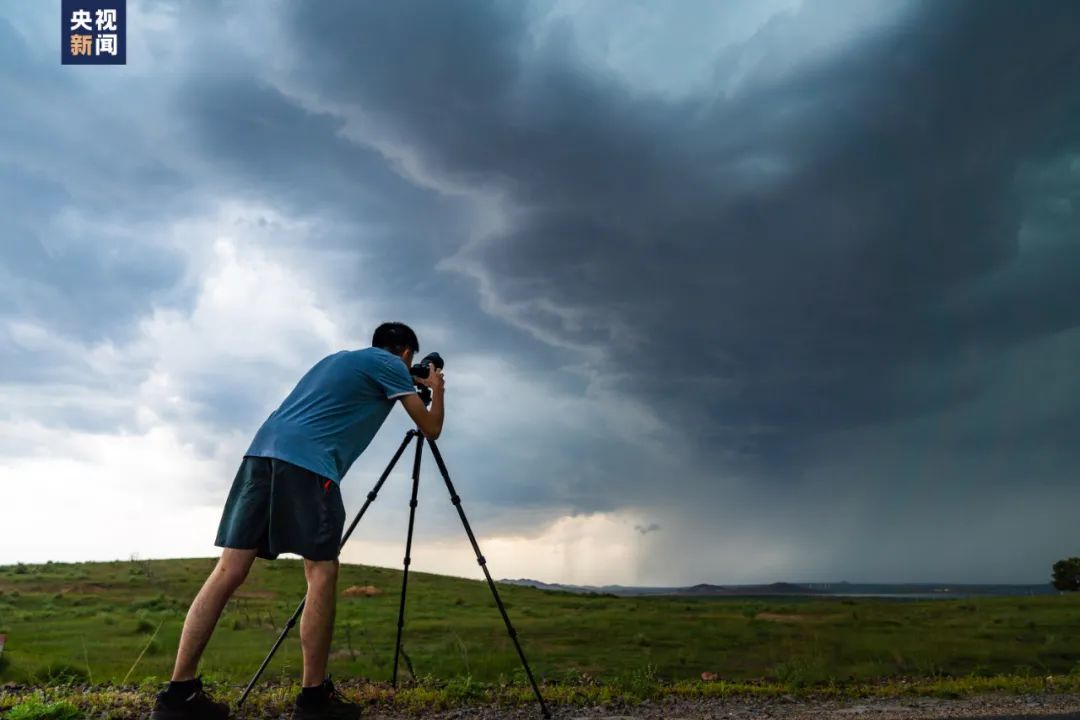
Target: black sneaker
329, 705
196, 706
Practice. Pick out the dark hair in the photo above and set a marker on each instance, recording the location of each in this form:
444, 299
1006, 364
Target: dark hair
395, 337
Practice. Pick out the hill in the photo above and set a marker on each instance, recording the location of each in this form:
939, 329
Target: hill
702, 589
838, 589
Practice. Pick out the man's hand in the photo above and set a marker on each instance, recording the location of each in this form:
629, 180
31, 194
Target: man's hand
434, 380
429, 422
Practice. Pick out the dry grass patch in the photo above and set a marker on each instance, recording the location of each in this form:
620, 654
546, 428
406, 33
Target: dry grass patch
796, 617
256, 594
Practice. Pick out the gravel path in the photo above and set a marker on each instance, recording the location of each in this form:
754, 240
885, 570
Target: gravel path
132, 704
999, 707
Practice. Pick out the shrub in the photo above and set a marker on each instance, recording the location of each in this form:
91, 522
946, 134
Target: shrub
161, 602
798, 672
38, 710
1066, 574
61, 673
640, 684
464, 689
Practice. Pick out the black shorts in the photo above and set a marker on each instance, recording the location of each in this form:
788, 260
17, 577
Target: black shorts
276, 507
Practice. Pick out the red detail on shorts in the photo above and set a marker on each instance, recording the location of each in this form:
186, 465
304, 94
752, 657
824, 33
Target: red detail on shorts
326, 486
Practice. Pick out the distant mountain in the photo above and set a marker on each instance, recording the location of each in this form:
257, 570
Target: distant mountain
836, 589
702, 589
778, 588
526, 582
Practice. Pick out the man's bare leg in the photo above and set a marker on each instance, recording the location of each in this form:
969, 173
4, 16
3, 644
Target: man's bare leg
206, 608
317, 622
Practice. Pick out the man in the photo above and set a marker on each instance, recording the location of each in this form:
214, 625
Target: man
285, 498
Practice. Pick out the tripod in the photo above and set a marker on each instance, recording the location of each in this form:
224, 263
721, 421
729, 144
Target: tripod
456, 500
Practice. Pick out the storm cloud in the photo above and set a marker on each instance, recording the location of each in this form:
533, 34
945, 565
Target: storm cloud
795, 282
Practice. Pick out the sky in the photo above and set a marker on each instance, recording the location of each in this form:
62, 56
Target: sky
781, 290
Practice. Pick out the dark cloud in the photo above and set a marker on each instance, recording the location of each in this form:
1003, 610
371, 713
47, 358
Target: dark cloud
787, 303
848, 246
72, 255
835, 279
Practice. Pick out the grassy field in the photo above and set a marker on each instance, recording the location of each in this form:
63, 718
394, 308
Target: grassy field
111, 622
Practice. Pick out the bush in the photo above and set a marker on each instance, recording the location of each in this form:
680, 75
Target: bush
161, 602
1066, 574
61, 674
38, 710
464, 689
798, 672
640, 684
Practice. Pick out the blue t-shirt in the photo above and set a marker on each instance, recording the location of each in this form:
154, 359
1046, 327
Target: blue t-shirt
334, 411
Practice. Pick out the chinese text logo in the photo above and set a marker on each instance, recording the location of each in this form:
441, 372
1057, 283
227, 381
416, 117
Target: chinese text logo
92, 32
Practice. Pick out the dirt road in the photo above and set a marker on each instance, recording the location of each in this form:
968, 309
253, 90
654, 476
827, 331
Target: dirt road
993, 707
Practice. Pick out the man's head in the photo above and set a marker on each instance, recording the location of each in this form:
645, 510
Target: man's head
397, 338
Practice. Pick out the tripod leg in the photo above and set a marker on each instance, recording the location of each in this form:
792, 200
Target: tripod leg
456, 500
378, 486
300, 608
266, 661
408, 551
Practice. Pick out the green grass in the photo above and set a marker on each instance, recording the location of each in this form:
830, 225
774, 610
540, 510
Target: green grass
88, 624
36, 709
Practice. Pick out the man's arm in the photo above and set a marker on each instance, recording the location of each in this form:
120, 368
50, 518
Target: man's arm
430, 421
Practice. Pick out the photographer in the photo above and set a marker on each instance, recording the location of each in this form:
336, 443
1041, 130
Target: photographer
285, 498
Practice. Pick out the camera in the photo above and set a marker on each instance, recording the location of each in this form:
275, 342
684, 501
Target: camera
421, 370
